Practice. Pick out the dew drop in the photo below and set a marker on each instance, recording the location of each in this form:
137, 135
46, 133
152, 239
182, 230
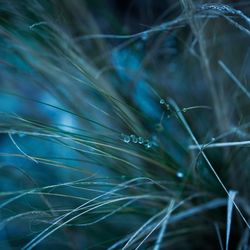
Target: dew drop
140, 140
159, 127
179, 174
163, 26
212, 139
13, 131
184, 110
21, 135
148, 145
162, 101
135, 139
144, 36
126, 139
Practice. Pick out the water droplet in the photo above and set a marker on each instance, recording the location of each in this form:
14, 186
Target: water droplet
135, 140
179, 174
154, 140
212, 139
126, 139
132, 137
159, 127
13, 131
144, 36
148, 145
140, 140
162, 101
163, 26
21, 135
184, 110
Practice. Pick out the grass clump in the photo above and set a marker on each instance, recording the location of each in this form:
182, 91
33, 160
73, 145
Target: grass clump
124, 126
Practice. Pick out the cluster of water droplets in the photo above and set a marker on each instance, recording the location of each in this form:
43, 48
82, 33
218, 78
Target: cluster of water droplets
147, 143
167, 107
167, 110
165, 103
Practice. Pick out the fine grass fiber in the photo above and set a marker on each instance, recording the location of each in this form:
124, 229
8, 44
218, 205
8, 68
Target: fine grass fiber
124, 124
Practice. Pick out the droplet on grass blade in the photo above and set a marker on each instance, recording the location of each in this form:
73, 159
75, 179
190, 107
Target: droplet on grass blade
135, 140
126, 139
144, 36
21, 135
162, 101
179, 174
140, 140
13, 131
148, 145
159, 127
